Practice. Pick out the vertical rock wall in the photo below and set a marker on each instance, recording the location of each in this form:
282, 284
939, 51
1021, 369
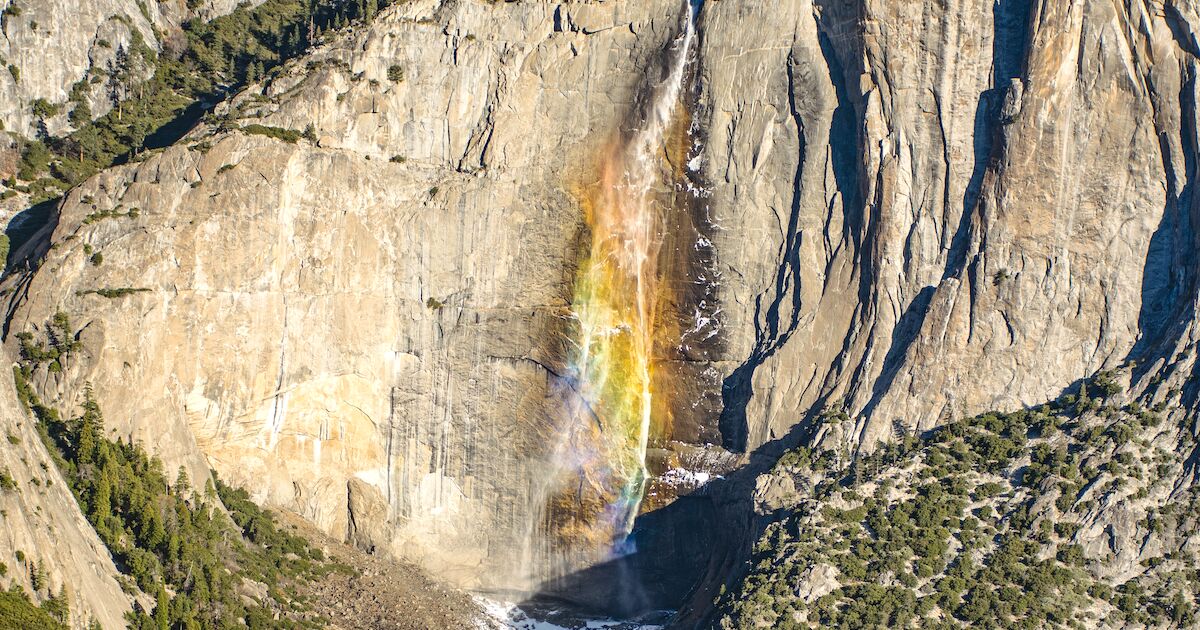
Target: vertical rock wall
374, 321
971, 205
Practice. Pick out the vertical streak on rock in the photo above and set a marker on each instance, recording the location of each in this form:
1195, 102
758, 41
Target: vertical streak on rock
279, 404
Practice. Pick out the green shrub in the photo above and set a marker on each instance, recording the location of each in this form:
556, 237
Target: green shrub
4, 246
43, 108
35, 159
7, 482
289, 136
113, 293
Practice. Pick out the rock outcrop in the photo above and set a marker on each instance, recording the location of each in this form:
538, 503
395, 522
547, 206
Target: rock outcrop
956, 193
50, 46
385, 304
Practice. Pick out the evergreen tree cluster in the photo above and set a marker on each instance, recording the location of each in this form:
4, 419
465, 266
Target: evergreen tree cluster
17, 612
975, 524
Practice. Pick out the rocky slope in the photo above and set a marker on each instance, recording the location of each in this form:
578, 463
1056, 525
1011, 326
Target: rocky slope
44, 530
51, 46
349, 291
1080, 513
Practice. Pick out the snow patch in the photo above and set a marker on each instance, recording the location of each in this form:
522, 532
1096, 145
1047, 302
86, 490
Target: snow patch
508, 616
685, 477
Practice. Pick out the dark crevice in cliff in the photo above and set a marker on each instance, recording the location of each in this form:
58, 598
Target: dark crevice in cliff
845, 148
906, 331
868, 295
1168, 274
1009, 53
772, 328
1010, 44
845, 142
26, 257
1183, 35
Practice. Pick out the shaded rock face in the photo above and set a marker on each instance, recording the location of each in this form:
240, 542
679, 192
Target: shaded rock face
916, 210
52, 44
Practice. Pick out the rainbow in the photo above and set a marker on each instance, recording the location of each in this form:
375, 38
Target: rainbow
619, 292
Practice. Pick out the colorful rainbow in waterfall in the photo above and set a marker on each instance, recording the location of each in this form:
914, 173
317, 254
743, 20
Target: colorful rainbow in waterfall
618, 294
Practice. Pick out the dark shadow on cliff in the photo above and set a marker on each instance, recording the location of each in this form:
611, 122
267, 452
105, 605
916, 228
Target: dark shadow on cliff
1168, 274
1170, 293
175, 129
1010, 46
29, 234
1009, 51
908, 327
684, 553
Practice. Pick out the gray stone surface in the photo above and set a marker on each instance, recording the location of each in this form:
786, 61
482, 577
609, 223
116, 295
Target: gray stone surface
966, 206
387, 304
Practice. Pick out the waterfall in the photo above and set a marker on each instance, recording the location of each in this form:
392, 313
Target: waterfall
617, 296
599, 459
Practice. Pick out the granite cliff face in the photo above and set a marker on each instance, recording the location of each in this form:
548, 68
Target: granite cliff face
974, 189
907, 212
394, 338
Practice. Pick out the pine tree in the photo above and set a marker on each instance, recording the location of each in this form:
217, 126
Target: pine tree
174, 546
59, 605
162, 613
296, 41
182, 484
38, 578
90, 428
101, 504
120, 72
